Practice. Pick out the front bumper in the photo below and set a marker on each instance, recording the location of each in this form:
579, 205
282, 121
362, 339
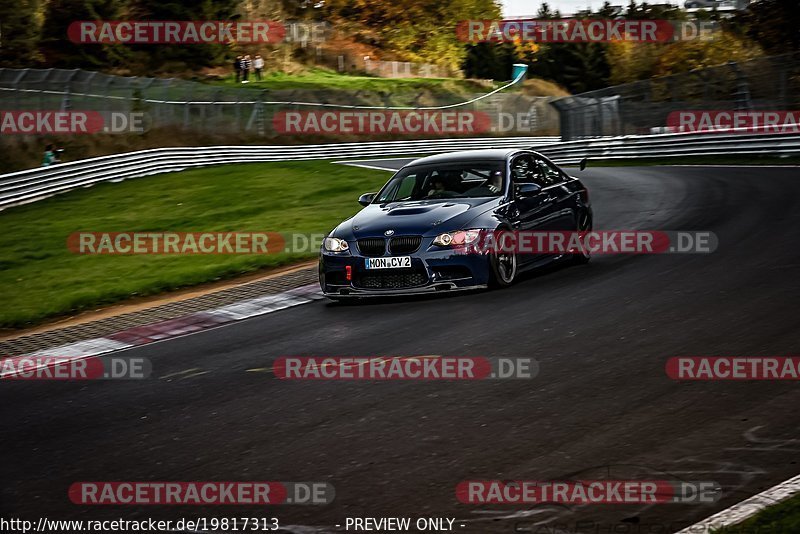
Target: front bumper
431, 271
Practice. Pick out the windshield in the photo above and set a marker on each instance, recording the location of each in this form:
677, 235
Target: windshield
464, 180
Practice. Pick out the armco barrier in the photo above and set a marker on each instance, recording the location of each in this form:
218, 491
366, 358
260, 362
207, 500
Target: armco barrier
26, 186
675, 145
34, 184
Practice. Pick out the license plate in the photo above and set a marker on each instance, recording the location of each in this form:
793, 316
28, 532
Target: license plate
396, 262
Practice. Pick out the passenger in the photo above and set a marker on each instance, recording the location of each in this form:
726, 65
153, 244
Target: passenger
491, 187
438, 187
446, 184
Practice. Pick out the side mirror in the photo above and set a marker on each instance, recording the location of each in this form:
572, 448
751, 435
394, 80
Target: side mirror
366, 199
528, 190
583, 163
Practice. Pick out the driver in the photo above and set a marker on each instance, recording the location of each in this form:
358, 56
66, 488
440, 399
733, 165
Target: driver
438, 186
495, 182
444, 183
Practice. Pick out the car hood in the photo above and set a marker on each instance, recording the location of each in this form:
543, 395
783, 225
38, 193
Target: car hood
415, 217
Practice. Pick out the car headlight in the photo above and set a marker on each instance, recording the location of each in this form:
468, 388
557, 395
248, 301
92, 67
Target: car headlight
334, 244
460, 237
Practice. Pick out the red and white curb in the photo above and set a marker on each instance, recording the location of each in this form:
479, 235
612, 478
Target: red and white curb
747, 508
141, 335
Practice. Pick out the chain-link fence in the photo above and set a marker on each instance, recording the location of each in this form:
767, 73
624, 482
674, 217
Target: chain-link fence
203, 107
165, 102
764, 84
404, 69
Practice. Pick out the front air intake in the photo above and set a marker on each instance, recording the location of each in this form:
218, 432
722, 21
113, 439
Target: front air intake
372, 246
404, 244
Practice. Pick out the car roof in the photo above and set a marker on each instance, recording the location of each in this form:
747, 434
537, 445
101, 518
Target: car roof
500, 154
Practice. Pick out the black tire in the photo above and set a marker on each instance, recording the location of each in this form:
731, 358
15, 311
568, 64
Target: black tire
503, 269
583, 224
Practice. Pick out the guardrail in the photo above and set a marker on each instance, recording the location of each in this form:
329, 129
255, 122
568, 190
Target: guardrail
676, 145
27, 186
34, 184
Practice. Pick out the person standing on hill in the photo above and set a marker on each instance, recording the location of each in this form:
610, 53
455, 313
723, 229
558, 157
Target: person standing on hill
258, 65
246, 63
237, 68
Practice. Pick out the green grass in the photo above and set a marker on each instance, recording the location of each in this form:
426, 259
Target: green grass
318, 78
42, 278
778, 518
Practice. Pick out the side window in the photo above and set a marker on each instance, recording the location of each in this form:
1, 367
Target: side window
550, 175
523, 169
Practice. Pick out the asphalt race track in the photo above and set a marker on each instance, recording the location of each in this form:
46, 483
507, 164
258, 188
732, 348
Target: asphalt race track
601, 406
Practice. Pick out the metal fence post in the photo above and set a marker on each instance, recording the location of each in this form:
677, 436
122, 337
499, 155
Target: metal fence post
257, 117
742, 95
186, 110
66, 102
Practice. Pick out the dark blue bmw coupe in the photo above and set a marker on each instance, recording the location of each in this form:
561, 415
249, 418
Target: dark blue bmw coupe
410, 236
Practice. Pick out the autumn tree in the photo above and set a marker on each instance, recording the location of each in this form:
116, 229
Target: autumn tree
60, 52
19, 24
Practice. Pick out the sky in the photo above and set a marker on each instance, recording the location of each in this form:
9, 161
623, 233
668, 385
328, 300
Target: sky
521, 8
